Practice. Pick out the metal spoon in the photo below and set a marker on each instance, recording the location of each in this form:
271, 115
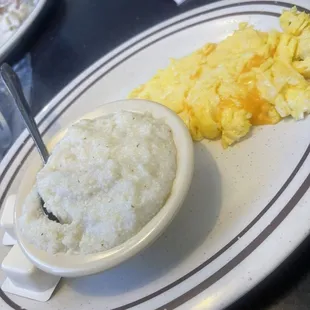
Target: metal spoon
13, 85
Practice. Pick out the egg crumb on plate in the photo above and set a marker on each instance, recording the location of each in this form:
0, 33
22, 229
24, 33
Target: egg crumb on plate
250, 78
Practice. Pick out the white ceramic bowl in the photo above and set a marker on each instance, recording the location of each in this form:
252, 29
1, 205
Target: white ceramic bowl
79, 265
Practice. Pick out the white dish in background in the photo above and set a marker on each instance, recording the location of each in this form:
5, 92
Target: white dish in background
13, 40
67, 265
248, 206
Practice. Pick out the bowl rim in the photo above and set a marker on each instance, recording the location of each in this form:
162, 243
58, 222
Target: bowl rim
73, 265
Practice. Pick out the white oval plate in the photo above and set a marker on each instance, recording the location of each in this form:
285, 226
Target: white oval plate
18, 34
247, 209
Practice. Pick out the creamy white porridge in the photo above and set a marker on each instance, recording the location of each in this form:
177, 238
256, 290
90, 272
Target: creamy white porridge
105, 180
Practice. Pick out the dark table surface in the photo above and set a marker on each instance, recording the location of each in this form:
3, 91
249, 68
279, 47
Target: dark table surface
71, 35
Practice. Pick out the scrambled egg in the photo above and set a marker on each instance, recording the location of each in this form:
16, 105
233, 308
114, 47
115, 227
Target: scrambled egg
250, 78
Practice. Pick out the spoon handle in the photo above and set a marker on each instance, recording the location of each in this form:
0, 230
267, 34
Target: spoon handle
12, 82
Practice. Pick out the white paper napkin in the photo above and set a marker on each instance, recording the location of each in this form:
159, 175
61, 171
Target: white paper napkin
179, 2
